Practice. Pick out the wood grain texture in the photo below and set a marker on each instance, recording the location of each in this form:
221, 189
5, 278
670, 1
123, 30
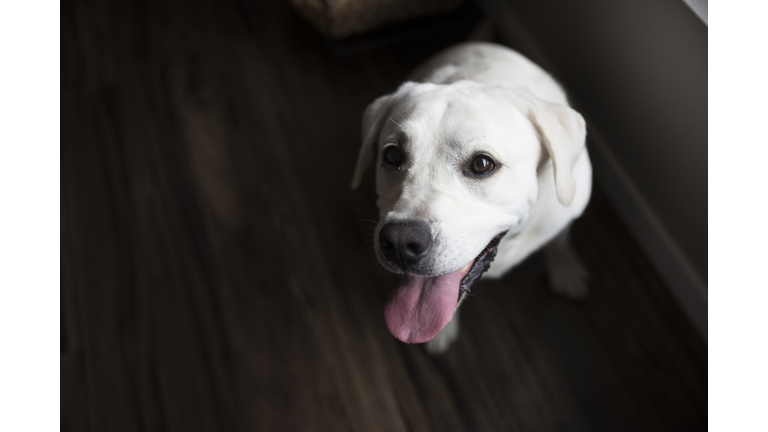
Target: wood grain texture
218, 274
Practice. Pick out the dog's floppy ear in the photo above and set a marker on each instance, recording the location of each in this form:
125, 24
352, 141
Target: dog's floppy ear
563, 133
373, 119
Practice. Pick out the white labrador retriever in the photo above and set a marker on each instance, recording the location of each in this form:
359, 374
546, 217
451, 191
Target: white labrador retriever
478, 156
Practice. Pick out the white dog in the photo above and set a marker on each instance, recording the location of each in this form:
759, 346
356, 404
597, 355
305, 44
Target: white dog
479, 157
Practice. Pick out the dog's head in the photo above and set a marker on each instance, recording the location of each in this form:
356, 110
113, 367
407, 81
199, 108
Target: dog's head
456, 168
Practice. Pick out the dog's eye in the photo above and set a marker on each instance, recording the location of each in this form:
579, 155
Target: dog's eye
482, 165
393, 156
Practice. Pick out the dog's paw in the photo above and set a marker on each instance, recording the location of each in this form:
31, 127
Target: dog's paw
567, 275
439, 344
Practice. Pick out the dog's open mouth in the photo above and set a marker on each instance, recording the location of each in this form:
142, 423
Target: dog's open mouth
422, 305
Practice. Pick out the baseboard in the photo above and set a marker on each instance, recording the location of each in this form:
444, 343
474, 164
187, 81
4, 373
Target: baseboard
659, 247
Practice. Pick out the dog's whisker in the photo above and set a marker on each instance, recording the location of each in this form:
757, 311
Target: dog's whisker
390, 118
363, 220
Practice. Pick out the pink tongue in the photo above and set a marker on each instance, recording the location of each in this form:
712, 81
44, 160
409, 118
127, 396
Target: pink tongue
421, 306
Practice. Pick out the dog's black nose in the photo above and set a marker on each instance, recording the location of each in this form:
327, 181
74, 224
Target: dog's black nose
405, 242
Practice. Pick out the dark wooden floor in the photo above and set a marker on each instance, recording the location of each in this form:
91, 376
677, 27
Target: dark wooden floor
217, 272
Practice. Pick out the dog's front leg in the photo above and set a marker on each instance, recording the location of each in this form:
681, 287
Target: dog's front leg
567, 275
445, 338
